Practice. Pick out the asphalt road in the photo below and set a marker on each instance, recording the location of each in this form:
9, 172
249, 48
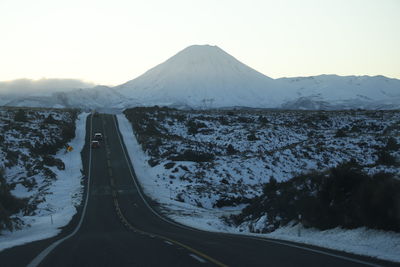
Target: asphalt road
121, 227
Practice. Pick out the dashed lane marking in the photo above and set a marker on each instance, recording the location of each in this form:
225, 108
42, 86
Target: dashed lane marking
167, 242
197, 258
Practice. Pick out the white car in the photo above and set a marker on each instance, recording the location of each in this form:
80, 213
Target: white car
98, 136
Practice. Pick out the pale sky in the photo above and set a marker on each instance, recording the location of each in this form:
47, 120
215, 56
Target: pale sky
111, 42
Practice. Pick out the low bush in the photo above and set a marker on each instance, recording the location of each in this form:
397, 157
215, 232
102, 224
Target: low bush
252, 137
392, 144
231, 201
194, 126
385, 158
169, 165
51, 161
50, 120
20, 116
195, 156
341, 133
9, 205
345, 197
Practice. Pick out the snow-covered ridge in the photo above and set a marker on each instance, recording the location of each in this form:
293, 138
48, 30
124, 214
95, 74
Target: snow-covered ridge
204, 76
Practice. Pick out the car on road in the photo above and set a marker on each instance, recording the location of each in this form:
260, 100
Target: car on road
95, 144
98, 136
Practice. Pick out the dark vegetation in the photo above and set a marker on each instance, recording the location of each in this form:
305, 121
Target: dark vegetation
195, 156
231, 201
345, 196
151, 135
221, 146
9, 205
30, 138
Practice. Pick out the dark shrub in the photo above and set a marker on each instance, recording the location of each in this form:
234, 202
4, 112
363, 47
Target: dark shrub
224, 181
153, 162
263, 119
9, 205
68, 133
12, 158
46, 148
179, 198
194, 126
245, 119
20, 116
230, 201
223, 120
385, 158
346, 197
50, 120
51, 161
230, 150
341, 133
190, 155
392, 144
184, 168
169, 165
252, 137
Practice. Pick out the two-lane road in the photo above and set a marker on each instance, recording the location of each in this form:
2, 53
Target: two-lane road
121, 227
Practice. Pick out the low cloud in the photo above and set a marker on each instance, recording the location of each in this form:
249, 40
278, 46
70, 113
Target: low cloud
46, 86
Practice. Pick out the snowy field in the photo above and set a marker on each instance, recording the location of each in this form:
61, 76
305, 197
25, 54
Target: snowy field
53, 197
282, 145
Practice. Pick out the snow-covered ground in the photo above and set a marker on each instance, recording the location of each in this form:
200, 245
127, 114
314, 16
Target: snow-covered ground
61, 197
156, 183
208, 158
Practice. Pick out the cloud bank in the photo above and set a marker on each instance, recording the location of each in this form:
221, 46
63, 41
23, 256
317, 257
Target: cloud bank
42, 86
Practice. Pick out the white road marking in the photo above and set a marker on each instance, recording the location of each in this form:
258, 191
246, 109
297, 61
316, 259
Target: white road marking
197, 258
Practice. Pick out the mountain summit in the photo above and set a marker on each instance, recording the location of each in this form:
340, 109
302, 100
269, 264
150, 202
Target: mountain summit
202, 76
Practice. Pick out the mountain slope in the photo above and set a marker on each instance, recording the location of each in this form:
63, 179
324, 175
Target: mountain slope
203, 76
326, 91
206, 77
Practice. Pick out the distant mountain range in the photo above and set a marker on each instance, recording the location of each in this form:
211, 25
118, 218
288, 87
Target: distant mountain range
203, 76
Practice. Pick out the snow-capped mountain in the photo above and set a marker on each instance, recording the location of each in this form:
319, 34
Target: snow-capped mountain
333, 91
204, 76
